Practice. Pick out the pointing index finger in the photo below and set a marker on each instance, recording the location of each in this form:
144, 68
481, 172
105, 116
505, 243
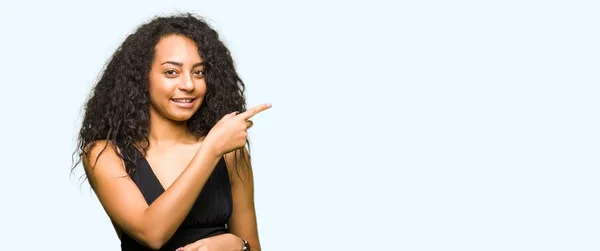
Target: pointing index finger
255, 110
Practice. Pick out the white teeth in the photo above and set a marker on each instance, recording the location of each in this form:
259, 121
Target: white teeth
183, 100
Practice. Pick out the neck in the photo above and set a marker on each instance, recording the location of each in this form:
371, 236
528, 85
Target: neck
164, 132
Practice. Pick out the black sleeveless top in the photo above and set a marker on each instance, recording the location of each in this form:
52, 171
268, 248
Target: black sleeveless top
208, 216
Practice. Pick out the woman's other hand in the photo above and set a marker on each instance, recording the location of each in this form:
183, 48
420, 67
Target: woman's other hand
223, 242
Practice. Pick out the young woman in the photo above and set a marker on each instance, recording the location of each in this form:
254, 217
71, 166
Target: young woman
163, 141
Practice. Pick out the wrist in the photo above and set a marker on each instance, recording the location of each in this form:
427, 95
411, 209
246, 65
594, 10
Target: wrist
210, 150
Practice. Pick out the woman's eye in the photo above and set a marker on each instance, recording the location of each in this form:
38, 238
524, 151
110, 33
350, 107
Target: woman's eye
199, 73
171, 72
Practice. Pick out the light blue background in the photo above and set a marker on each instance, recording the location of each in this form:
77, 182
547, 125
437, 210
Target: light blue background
399, 125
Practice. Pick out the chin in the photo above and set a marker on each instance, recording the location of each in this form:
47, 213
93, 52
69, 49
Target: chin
181, 117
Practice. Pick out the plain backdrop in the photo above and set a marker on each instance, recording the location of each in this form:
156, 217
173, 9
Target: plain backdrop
398, 125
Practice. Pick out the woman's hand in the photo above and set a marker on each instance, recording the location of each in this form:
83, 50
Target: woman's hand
223, 242
230, 132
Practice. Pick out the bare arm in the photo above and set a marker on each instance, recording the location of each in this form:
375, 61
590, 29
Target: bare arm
243, 221
154, 224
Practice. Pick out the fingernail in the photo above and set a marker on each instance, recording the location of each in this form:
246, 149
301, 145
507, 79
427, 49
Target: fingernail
179, 249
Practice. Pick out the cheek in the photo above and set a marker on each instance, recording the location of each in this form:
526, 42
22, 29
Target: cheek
159, 86
158, 89
201, 87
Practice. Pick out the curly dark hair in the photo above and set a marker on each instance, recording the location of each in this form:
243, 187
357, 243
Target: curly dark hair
117, 109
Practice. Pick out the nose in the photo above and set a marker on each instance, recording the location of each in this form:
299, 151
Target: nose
187, 83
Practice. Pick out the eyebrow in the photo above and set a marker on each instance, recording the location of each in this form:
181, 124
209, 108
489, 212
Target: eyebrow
181, 64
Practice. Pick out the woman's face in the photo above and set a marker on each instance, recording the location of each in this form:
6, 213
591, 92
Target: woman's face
177, 86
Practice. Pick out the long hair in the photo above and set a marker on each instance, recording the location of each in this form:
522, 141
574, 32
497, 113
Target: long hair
117, 109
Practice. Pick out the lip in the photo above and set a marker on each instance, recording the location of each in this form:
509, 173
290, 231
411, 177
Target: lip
184, 105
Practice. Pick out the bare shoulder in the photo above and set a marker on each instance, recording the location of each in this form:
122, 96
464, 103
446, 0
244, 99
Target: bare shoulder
238, 164
100, 159
234, 157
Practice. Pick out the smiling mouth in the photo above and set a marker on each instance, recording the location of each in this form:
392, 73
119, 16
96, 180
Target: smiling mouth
187, 100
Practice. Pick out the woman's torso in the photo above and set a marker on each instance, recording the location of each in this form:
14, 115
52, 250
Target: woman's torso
208, 216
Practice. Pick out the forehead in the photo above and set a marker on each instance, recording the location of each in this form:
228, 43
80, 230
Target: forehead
177, 48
